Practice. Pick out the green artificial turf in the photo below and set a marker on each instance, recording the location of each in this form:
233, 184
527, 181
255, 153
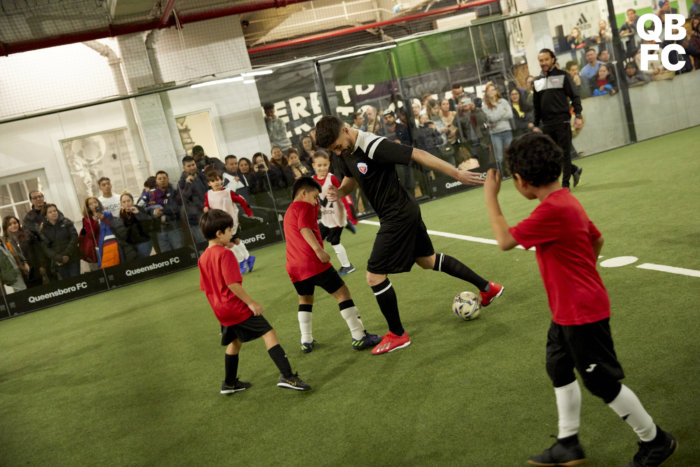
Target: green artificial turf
131, 377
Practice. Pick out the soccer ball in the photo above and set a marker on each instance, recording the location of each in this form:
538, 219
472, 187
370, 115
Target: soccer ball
466, 305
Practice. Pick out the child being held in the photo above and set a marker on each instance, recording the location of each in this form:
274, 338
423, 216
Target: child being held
225, 199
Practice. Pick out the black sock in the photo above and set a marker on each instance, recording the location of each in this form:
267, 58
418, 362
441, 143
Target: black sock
307, 308
231, 369
280, 358
386, 298
346, 304
455, 268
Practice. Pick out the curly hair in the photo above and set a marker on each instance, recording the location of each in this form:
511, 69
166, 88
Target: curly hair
536, 158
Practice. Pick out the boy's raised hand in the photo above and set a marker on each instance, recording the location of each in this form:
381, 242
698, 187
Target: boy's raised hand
493, 183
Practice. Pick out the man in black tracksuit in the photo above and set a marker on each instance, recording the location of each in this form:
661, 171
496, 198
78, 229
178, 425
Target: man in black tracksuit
554, 93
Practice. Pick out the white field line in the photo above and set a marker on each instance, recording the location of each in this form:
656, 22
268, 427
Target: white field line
489, 241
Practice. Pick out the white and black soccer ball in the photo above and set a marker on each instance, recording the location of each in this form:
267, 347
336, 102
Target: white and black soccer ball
466, 305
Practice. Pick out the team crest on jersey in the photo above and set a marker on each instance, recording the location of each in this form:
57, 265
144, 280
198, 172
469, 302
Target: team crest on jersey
556, 81
362, 167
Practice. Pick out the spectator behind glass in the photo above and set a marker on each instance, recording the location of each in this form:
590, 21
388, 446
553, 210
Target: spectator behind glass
656, 70
629, 31
12, 268
523, 117
109, 201
148, 185
447, 116
499, 114
99, 236
575, 42
203, 161
59, 240
295, 167
429, 138
633, 76
35, 217
588, 72
133, 229
262, 170
245, 176
231, 179
164, 205
307, 150
457, 94
604, 82
358, 120
276, 128
433, 111
370, 118
18, 243
193, 189
604, 56
581, 88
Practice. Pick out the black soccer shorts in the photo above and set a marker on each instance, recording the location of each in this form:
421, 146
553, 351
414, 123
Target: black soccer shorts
245, 331
397, 246
328, 280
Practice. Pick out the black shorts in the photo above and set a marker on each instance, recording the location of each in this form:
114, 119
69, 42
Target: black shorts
397, 246
588, 348
245, 331
331, 234
328, 280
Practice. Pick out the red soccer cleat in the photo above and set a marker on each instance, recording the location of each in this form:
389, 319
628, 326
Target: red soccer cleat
391, 342
495, 291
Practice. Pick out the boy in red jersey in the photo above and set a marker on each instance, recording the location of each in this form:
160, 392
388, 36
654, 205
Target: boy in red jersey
333, 213
579, 336
308, 266
240, 316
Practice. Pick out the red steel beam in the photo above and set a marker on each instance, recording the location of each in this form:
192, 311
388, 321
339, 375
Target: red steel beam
342, 32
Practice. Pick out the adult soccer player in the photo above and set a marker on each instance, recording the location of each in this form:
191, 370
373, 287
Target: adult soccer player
369, 160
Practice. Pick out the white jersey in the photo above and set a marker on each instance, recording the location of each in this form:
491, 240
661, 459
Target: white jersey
332, 212
223, 200
111, 204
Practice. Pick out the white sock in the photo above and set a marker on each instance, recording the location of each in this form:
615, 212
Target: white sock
630, 409
569, 408
236, 253
342, 255
241, 252
305, 326
351, 316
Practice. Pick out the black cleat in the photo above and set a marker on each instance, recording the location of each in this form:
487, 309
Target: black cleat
577, 175
560, 454
293, 382
237, 386
655, 452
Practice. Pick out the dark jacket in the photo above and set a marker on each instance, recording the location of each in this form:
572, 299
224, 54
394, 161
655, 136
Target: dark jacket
29, 244
169, 200
554, 93
215, 162
60, 240
429, 140
193, 195
131, 230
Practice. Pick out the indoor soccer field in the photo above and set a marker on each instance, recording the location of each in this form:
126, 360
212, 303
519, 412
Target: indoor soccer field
132, 376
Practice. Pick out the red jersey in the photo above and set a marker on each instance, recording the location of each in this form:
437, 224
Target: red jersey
302, 262
564, 235
218, 268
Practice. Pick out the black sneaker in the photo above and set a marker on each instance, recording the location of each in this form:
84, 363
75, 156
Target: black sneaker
577, 175
655, 452
369, 340
235, 387
293, 382
560, 454
308, 347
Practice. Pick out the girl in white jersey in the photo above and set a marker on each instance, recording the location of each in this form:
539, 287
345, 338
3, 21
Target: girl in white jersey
333, 213
220, 198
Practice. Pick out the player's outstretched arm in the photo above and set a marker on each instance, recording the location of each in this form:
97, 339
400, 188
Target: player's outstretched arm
345, 188
499, 225
254, 306
434, 163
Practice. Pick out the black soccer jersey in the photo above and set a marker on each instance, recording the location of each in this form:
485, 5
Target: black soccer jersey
372, 165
